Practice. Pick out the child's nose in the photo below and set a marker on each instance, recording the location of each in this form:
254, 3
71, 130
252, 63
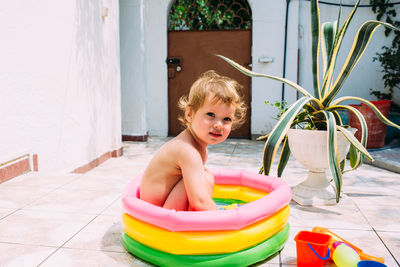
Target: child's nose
218, 124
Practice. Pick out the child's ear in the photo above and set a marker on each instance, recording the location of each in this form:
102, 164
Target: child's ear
188, 114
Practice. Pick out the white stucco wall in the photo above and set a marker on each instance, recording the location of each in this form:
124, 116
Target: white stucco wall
133, 82
269, 40
145, 87
367, 74
145, 95
60, 81
144, 78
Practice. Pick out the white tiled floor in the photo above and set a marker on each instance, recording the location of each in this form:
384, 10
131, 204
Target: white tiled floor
74, 219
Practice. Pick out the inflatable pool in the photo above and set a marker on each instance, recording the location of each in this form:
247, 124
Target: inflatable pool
253, 228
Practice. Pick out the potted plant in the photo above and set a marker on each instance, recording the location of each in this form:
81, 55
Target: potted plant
318, 112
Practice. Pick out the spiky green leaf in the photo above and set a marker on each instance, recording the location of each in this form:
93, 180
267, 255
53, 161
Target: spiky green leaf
328, 38
342, 165
336, 47
360, 43
379, 114
279, 132
315, 42
332, 151
353, 156
254, 74
358, 150
285, 155
353, 140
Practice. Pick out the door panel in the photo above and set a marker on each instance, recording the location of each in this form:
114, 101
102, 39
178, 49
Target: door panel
190, 53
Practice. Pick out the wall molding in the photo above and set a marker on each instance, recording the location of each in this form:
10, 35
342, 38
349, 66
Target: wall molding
135, 138
18, 166
99, 160
29, 162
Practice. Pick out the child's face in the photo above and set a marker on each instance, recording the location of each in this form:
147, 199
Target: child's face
212, 122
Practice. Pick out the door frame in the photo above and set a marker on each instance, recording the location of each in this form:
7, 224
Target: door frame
267, 41
207, 43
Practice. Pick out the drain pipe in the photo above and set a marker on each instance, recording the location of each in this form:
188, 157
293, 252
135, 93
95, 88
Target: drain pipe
285, 49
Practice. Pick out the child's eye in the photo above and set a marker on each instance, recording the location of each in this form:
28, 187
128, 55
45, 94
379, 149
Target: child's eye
227, 119
210, 114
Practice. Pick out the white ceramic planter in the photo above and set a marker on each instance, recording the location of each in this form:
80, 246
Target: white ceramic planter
310, 149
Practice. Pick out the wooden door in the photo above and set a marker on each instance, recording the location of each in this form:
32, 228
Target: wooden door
190, 53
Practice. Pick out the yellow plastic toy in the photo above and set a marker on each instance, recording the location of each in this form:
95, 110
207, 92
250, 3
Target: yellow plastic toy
335, 238
344, 255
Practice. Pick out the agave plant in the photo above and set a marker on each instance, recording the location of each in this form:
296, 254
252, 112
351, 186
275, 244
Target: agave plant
320, 110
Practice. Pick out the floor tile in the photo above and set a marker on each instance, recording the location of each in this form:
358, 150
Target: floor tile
344, 215
218, 159
110, 183
382, 218
126, 166
272, 261
75, 201
19, 255
90, 230
265, 264
103, 233
238, 162
42, 180
140, 263
5, 212
18, 197
41, 228
392, 242
75, 257
368, 241
114, 209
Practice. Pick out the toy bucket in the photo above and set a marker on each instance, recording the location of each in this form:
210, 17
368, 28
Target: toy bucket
312, 248
370, 264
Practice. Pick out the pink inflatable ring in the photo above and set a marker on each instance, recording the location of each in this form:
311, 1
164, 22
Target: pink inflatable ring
278, 195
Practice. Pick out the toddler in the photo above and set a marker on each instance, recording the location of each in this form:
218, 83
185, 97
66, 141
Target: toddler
176, 177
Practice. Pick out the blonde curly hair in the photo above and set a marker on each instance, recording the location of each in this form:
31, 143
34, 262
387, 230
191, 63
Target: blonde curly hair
222, 88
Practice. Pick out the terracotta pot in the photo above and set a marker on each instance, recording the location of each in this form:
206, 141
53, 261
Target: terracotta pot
376, 128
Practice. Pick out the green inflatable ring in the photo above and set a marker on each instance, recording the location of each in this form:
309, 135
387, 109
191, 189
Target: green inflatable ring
241, 258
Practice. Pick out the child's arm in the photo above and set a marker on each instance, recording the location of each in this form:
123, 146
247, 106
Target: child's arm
196, 183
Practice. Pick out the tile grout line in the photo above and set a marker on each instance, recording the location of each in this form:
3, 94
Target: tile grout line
58, 248
62, 245
40, 197
383, 242
374, 230
112, 203
24, 244
233, 151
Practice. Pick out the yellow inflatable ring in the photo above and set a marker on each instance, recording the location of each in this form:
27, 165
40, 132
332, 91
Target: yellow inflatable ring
276, 193
205, 242
251, 227
243, 193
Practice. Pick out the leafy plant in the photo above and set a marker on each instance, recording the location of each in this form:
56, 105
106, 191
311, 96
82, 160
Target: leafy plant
321, 109
280, 105
390, 57
209, 14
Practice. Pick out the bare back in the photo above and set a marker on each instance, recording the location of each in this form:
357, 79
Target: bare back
166, 168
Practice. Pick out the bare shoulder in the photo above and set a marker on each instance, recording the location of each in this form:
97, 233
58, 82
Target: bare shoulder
184, 148
175, 149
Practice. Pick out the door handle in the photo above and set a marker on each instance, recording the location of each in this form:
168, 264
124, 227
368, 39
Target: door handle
173, 61
174, 65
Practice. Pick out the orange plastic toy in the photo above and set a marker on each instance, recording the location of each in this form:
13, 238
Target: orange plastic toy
335, 238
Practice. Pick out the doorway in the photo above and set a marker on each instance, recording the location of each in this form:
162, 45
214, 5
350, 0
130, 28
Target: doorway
198, 30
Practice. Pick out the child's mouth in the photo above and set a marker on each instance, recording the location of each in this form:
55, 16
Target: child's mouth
213, 134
